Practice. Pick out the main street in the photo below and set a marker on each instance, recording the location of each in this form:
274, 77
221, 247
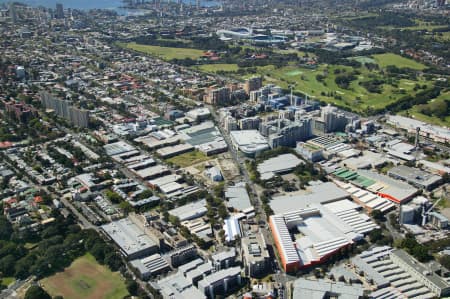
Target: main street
279, 276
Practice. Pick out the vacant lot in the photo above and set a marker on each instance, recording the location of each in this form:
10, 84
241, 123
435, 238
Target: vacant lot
386, 59
188, 159
166, 53
86, 279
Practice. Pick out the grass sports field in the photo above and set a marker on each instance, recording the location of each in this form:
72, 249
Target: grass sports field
166, 53
188, 159
86, 279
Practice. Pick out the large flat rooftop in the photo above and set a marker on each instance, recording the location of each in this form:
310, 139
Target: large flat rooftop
128, 236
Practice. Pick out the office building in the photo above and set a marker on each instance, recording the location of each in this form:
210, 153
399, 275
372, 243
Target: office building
255, 255
150, 266
438, 220
220, 282
224, 259
182, 255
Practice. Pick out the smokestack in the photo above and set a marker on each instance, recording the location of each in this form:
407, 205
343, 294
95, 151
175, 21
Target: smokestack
416, 143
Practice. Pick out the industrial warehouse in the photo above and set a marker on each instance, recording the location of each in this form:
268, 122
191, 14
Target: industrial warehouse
319, 230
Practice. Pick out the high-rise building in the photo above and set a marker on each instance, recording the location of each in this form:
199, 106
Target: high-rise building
255, 255
13, 12
249, 123
59, 14
283, 132
252, 84
218, 96
78, 117
335, 120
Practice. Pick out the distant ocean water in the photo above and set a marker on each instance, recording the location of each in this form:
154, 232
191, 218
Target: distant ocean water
89, 4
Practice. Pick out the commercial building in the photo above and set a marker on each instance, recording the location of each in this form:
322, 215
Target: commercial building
250, 142
416, 177
278, 165
59, 13
255, 255
200, 114
131, 240
312, 289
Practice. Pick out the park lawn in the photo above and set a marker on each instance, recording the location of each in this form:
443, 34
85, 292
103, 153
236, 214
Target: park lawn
86, 278
166, 53
439, 36
383, 60
6, 281
188, 159
214, 68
